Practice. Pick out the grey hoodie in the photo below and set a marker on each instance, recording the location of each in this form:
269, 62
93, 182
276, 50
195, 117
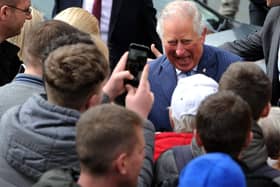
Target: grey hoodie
35, 137
38, 136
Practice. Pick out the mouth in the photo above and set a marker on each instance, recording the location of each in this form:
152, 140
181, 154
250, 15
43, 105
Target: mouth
183, 60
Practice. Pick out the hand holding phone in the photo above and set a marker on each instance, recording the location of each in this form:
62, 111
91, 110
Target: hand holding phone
137, 58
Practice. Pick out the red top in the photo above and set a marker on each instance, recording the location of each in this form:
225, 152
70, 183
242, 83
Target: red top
167, 140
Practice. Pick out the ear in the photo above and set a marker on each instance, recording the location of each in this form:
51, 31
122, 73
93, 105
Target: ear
4, 13
93, 100
203, 34
197, 138
265, 110
122, 164
248, 139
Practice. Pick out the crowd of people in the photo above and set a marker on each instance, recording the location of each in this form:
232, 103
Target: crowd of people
201, 116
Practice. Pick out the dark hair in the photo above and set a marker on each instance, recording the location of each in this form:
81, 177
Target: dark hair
249, 82
223, 123
67, 39
103, 132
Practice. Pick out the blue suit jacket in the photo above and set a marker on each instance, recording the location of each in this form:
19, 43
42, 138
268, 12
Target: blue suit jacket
163, 80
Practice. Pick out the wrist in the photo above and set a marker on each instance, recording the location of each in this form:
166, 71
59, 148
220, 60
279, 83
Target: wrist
105, 98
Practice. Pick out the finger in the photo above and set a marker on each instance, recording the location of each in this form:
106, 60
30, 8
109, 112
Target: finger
123, 75
121, 64
130, 89
155, 51
144, 76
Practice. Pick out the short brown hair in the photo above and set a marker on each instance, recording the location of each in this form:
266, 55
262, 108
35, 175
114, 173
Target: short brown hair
102, 133
74, 72
250, 82
223, 123
40, 36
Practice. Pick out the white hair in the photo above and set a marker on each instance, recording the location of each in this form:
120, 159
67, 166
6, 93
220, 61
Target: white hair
184, 9
185, 124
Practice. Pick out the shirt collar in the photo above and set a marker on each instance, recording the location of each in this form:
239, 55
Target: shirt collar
178, 72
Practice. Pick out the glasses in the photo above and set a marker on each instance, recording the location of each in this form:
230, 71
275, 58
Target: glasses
26, 11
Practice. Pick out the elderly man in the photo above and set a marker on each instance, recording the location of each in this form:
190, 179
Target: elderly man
12, 17
182, 34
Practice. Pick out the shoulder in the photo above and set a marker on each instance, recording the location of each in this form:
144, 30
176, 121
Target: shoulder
7, 116
222, 54
58, 178
10, 46
165, 167
271, 20
158, 62
273, 12
158, 65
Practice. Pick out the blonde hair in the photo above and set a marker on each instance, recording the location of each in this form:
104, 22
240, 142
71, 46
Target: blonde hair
80, 19
86, 22
20, 39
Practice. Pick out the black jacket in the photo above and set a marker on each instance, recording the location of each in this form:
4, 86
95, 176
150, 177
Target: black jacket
10, 62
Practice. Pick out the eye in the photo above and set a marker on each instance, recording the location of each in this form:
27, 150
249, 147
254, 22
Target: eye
186, 41
172, 42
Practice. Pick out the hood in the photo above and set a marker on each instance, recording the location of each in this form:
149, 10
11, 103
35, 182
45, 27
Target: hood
255, 155
38, 136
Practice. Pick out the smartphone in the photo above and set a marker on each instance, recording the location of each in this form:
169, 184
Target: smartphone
137, 58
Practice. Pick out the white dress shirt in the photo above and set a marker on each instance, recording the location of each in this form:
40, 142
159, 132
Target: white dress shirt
106, 8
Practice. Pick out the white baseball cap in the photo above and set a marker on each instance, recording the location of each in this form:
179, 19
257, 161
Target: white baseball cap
189, 93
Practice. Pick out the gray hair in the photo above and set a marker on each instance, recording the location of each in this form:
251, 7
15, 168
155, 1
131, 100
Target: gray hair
271, 130
185, 124
184, 9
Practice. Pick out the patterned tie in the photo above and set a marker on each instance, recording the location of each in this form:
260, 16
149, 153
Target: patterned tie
96, 11
188, 73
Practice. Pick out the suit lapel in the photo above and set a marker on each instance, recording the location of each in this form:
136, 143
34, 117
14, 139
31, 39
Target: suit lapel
273, 54
207, 64
167, 79
116, 7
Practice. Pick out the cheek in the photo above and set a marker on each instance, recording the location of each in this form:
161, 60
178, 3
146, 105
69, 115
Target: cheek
168, 49
197, 51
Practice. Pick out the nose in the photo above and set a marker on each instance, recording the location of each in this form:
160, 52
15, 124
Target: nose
180, 50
